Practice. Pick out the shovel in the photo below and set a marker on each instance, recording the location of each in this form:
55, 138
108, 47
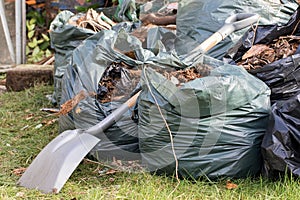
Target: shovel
53, 166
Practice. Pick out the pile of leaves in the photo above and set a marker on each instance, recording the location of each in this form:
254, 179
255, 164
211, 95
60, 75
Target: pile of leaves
92, 20
261, 54
181, 76
117, 82
120, 79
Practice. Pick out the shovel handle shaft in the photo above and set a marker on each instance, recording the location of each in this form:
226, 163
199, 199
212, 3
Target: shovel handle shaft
232, 23
115, 116
132, 101
209, 42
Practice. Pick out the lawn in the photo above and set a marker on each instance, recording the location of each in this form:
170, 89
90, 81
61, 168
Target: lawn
25, 130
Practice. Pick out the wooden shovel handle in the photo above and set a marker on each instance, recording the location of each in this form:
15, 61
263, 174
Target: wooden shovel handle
131, 102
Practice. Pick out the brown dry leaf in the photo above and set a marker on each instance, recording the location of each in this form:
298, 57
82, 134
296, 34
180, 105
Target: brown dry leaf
29, 117
92, 20
70, 104
20, 194
182, 76
111, 179
19, 171
49, 122
255, 50
11, 153
111, 85
230, 185
111, 171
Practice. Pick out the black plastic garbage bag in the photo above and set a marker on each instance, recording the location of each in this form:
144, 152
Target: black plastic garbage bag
217, 122
199, 19
283, 75
281, 144
64, 39
87, 65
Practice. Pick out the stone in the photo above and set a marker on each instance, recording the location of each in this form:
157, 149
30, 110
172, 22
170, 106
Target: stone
25, 76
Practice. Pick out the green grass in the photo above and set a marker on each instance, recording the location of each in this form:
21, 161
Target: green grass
21, 141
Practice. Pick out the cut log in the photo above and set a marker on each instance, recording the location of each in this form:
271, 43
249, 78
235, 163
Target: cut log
25, 76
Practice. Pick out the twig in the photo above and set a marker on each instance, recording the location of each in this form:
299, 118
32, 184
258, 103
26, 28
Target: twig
169, 196
168, 128
158, 20
295, 27
254, 31
49, 61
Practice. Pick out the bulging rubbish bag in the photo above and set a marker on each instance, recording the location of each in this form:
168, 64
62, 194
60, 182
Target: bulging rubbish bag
88, 63
283, 75
281, 144
216, 122
64, 39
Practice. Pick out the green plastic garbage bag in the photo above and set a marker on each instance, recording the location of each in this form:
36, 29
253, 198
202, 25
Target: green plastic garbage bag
217, 122
64, 39
87, 65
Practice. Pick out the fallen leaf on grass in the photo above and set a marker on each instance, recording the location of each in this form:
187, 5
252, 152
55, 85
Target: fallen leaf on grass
111, 180
24, 127
107, 172
111, 171
19, 171
11, 153
20, 194
49, 122
230, 185
29, 117
38, 126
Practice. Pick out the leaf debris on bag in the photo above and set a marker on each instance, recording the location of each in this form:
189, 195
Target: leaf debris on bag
69, 105
181, 76
92, 20
262, 54
118, 80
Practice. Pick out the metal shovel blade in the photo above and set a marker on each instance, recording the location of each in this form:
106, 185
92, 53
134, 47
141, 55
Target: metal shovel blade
53, 166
